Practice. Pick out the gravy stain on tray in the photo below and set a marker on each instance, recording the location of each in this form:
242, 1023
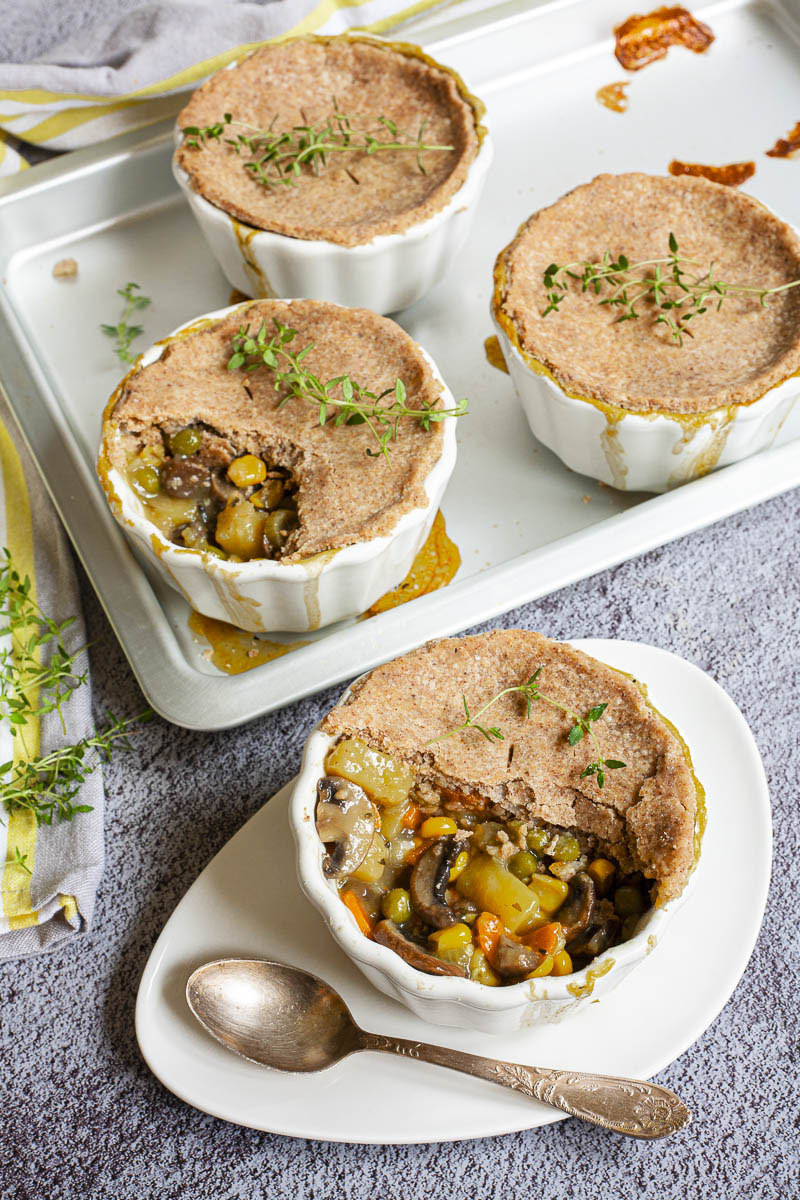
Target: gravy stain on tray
614, 96
786, 147
731, 175
494, 354
234, 650
644, 39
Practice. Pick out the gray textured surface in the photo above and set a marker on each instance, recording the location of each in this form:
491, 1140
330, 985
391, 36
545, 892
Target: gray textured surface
87, 1120
83, 1119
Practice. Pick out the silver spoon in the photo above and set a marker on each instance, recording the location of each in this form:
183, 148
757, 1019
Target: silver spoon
287, 1019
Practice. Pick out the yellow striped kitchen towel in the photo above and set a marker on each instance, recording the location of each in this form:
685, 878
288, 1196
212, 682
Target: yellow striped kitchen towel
49, 873
132, 70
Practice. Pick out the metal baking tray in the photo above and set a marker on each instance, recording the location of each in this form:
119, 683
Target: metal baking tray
524, 524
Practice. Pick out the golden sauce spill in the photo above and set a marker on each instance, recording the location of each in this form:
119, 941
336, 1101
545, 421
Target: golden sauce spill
433, 568
235, 650
786, 147
579, 990
494, 355
644, 39
731, 175
236, 297
614, 96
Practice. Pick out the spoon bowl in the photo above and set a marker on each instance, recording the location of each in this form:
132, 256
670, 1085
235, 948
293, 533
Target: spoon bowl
285, 1018
273, 1014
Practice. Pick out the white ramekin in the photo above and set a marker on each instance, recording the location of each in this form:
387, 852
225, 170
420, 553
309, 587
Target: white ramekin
441, 999
647, 452
391, 272
264, 596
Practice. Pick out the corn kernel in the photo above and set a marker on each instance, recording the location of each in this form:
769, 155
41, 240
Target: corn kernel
544, 968
459, 865
452, 938
436, 827
550, 892
247, 471
602, 872
562, 963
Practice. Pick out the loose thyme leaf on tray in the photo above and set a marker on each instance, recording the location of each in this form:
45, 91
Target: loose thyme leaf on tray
277, 156
530, 692
677, 291
349, 402
46, 785
122, 331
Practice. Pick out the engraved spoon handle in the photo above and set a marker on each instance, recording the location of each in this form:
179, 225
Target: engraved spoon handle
629, 1106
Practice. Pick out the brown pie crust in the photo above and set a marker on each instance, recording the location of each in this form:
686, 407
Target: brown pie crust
644, 816
736, 354
344, 495
355, 197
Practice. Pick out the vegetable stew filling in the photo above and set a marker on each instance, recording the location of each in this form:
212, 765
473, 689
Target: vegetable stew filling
236, 507
454, 887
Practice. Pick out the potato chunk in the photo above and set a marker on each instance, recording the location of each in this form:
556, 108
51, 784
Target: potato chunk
386, 780
240, 530
496, 890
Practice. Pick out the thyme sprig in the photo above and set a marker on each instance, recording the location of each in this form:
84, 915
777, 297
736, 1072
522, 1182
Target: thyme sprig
681, 289
46, 785
276, 156
342, 400
21, 860
582, 726
122, 331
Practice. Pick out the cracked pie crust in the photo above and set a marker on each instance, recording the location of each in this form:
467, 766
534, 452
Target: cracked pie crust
647, 816
204, 446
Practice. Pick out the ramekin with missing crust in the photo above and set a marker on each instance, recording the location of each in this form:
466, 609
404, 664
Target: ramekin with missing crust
426, 699
329, 582
384, 257
622, 402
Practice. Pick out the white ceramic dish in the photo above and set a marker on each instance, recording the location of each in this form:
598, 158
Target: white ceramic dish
389, 273
247, 902
262, 595
633, 452
445, 1000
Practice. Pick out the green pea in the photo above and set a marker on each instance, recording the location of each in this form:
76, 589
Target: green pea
186, 441
629, 926
523, 865
146, 480
278, 525
396, 905
537, 839
628, 901
486, 834
567, 848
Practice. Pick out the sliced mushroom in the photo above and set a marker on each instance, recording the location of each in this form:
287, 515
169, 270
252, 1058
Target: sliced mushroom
221, 487
185, 477
345, 822
388, 934
595, 941
576, 913
429, 881
512, 959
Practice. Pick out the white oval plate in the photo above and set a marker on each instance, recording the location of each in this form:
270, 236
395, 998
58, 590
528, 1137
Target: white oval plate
247, 903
